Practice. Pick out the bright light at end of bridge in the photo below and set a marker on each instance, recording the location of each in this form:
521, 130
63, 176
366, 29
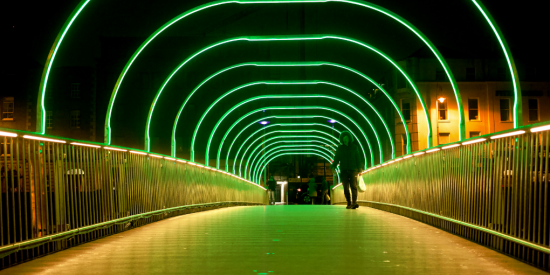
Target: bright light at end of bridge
332, 121
264, 122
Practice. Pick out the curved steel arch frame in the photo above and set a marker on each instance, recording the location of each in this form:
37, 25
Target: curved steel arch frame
280, 137
270, 117
255, 164
41, 109
285, 38
306, 153
313, 82
279, 96
303, 108
282, 64
254, 173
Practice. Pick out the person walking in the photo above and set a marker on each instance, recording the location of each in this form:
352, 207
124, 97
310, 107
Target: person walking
312, 190
349, 158
324, 189
271, 190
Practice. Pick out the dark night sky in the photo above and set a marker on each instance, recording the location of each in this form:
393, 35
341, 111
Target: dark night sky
33, 25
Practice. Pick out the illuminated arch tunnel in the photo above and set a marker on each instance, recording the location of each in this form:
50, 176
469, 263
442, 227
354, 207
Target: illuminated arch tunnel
41, 108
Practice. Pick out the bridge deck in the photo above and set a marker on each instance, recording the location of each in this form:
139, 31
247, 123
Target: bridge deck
280, 240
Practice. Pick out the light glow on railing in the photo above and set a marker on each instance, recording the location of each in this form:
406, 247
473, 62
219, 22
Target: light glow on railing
6, 134
155, 156
408, 157
336, 186
191, 163
451, 146
433, 150
399, 159
181, 160
540, 129
115, 149
139, 153
170, 159
391, 161
419, 153
84, 144
474, 141
44, 139
515, 133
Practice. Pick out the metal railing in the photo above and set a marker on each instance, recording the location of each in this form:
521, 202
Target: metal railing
57, 193
491, 189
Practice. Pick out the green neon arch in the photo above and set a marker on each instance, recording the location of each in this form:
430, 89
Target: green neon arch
306, 153
279, 96
333, 144
287, 38
283, 64
281, 137
254, 164
270, 117
254, 170
265, 142
313, 82
302, 108
518, 109
41, 109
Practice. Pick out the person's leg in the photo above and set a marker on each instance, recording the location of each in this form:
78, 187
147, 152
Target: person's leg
354, 191
346, 182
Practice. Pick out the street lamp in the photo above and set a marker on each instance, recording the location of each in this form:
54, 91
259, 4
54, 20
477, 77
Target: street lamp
441, 99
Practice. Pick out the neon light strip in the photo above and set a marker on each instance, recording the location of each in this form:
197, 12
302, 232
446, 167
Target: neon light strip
155, 156
276, 137
451, 146
139, 153
386, 12
540, 129
433, 150
254, 164
182, 161
407, 157
419, 153
44, 139
282, 96
301, 107
303, 153
41, 108
473, 141
86, 145
115, 149
518, 119
285, 64
299, 83
7, 134
304, 108
516, 133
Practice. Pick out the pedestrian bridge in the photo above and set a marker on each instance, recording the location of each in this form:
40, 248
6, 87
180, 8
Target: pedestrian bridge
73, 207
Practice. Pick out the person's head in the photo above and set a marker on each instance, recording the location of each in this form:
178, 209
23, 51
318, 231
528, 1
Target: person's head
346, 138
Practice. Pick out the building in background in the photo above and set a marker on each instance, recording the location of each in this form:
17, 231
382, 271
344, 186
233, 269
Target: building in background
486, 91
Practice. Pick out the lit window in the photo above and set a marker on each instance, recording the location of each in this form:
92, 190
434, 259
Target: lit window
75, 90
475, 134
442, 110
470, 74
49, 119
505, 110
7, 108
473, 109
533, 110
444, 138
75, 119
406, 109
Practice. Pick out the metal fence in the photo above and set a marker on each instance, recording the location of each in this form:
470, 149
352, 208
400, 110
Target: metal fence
492, 190
57, 193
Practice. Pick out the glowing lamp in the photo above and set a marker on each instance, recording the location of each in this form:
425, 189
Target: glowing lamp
332, 121
264, 122
441, 99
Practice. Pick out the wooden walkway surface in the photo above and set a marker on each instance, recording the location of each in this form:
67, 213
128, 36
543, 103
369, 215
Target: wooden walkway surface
280, 240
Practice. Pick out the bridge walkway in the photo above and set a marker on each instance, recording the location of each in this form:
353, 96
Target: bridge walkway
280, 240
